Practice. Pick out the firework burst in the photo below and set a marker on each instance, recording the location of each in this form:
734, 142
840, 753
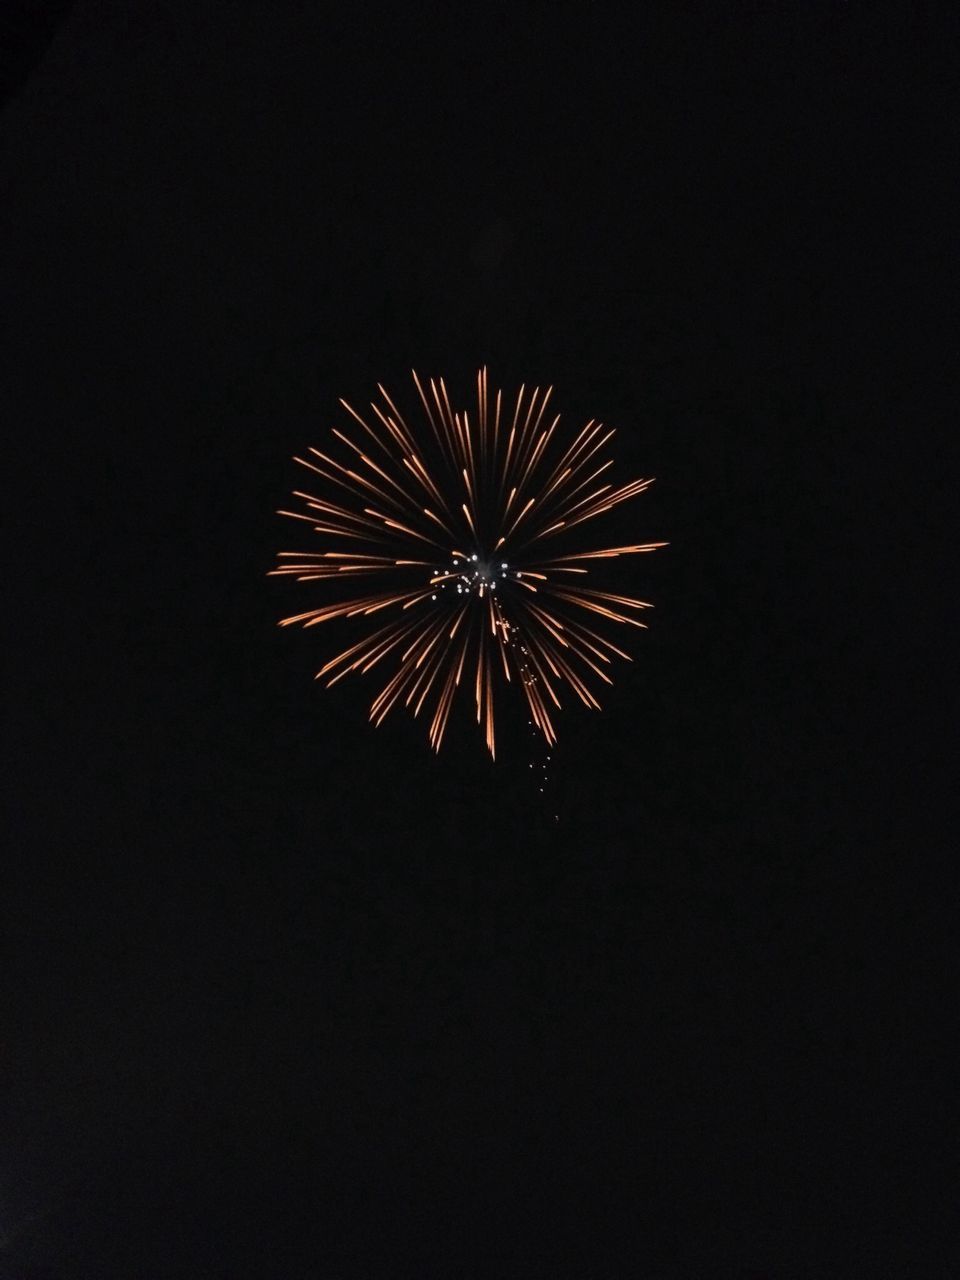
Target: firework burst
452, 530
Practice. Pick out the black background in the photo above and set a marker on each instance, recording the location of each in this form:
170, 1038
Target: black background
288, 996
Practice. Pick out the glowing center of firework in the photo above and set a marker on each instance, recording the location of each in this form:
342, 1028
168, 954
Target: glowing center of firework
473, 574
489, 570
480, 573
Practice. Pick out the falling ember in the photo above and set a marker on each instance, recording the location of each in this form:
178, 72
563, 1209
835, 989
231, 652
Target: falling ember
452, 524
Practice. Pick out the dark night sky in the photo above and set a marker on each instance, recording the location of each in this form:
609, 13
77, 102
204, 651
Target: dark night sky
284, 996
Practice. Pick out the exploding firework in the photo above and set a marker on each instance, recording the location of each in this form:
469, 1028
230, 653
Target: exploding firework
452, 529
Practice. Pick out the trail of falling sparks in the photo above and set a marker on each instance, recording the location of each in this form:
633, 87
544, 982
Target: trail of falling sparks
448, 527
